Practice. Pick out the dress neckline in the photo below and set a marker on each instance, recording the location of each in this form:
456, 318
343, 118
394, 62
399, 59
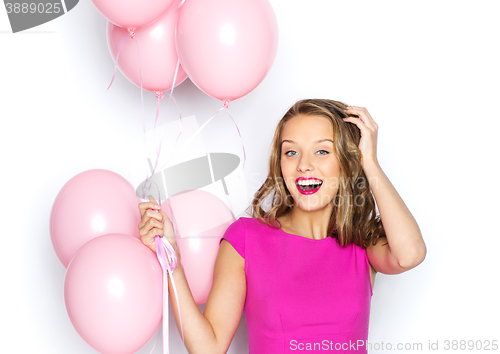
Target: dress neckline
303, 237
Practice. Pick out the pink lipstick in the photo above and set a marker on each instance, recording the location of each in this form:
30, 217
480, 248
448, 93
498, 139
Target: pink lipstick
311, 187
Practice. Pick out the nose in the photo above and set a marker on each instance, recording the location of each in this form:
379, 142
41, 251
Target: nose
304, 164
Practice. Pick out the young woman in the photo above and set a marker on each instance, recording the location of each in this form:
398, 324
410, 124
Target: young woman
303, 268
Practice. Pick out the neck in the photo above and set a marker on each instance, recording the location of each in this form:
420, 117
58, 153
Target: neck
311, 224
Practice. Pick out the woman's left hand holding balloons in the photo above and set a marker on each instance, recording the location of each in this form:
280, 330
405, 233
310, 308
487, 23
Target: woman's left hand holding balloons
154, 222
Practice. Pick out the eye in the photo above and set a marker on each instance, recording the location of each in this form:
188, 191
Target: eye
286, 153
326, 152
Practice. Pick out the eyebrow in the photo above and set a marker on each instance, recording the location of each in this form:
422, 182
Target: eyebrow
319, 141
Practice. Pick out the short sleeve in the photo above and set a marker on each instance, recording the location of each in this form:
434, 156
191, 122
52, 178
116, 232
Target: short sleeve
235, 235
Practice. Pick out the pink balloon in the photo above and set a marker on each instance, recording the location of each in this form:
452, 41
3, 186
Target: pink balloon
158, 56
113, 293
227, 47
132, 14
201, 219
93, 203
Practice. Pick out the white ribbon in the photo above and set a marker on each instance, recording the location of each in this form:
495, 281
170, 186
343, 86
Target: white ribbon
168, 261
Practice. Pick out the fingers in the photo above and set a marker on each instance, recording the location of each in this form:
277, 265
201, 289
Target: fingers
368, 129
149, 240
153, 222
363, 115
150, 235
164, 216
152, 204
150, 214
149, 231
357, 121
150, 223
168, 225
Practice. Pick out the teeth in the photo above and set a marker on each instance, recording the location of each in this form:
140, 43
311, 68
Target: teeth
309, 182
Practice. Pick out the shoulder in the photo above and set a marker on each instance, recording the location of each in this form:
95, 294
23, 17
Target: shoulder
250, 224
248, 228
240, 224
242, 227
235, 235
252, 227
239, 233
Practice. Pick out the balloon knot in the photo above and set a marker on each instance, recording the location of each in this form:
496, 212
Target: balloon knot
131, 31
159, 94
226, 103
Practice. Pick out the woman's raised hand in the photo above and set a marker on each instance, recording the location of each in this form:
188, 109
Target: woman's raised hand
154, 222
368, 129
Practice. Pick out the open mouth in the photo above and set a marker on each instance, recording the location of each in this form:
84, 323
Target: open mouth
308, 186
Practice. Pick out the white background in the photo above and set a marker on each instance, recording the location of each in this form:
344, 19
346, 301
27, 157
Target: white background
427, 71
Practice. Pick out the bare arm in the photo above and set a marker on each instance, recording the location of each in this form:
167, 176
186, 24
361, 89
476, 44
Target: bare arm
403, 247
406, 248
213, 331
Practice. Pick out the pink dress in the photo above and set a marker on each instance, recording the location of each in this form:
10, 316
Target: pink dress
302, 294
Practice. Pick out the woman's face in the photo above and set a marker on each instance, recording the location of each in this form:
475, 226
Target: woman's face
307, 156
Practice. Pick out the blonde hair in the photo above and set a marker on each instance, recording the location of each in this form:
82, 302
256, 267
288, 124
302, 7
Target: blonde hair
349, 221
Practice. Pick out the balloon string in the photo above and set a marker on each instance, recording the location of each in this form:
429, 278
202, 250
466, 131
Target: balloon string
170, 271
236, 125
225, 106
193, 136
168, 260
178, 135
165, 252
132, 34
159, 96
142, 90
156, 341
171, 97
116, 61
147, 187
